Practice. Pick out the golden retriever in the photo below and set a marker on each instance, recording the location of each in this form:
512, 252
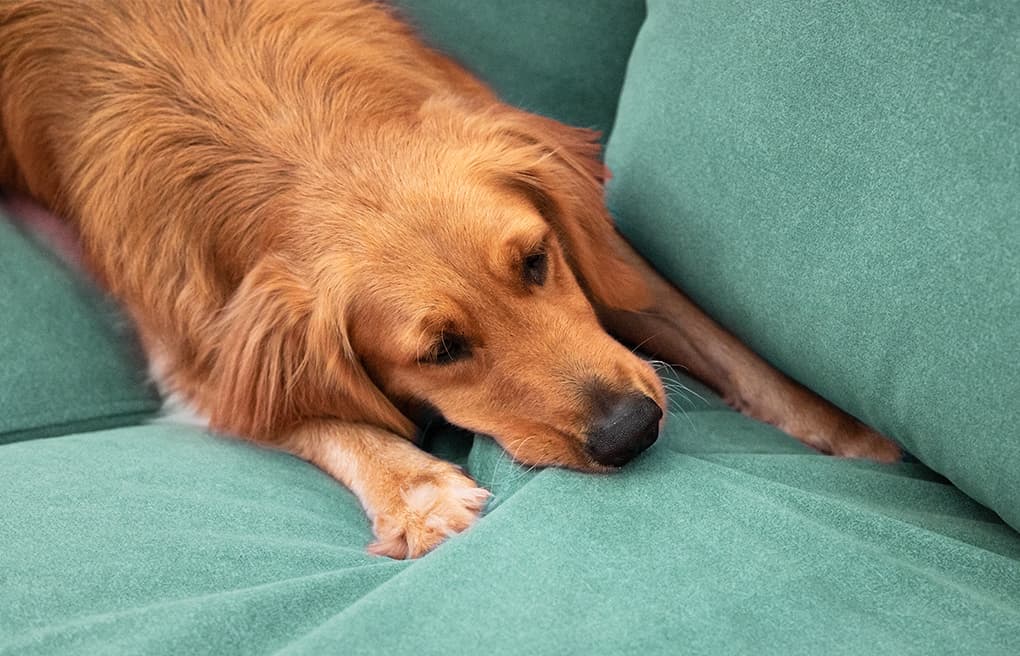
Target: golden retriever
321, 226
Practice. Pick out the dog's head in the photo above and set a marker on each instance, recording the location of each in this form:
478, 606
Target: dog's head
459, 275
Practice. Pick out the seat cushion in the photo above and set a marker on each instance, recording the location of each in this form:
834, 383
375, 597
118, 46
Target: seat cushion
839, 184
69, 364
559, 58
726, 536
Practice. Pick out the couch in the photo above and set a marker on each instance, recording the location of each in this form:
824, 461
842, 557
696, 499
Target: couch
837, 183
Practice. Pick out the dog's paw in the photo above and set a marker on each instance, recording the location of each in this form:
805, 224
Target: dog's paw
864, 442
425, 512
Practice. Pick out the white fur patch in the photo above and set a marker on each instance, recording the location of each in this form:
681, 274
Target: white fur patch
176, 409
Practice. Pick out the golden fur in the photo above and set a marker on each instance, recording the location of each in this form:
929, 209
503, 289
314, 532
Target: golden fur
298, 202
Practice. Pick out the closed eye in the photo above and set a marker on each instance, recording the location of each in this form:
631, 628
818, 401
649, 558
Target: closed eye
449, 348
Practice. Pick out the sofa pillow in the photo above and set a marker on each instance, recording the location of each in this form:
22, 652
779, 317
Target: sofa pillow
68, 364
839, 184
559, 58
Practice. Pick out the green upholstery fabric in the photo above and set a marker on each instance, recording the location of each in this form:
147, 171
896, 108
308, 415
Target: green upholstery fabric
65, 363
726, 537
839, 184
548, 56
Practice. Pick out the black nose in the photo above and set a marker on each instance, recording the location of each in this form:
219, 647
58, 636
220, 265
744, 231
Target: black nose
625, 429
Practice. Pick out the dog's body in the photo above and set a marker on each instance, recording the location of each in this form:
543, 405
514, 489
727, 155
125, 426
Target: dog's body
320, 225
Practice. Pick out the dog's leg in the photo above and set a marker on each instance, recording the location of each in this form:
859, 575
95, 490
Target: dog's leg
676, 330
413, 499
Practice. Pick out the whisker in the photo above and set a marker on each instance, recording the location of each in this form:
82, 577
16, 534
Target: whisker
675, 386
643, 342
677, 393
511, 463
674, 380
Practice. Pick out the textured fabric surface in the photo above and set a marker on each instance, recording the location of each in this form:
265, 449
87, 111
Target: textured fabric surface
560, 58
839, 184
726, 537
67, 365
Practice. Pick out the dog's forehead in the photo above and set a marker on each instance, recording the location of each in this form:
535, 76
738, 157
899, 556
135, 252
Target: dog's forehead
439, 254
447, 280
463, 231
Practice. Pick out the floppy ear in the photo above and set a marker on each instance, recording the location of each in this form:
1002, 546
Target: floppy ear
278, 362
563, 177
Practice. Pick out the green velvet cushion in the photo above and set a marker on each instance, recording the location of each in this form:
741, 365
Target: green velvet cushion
839, 184
726, 537
66, 363
561, 58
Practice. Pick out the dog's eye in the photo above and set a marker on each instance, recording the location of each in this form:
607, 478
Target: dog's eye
450, 349
536, 266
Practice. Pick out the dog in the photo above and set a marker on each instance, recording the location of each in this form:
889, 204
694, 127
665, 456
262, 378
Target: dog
323, 227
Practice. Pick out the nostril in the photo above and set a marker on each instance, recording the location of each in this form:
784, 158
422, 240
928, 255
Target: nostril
624, 430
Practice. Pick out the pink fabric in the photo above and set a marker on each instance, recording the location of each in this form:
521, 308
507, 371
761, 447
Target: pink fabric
53, 231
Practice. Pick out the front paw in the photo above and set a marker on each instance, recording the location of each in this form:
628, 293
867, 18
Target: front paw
424, 511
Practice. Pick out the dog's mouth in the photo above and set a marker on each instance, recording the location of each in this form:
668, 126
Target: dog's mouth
606, 446
616, 432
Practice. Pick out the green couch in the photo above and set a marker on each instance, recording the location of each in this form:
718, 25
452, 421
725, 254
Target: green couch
838, 182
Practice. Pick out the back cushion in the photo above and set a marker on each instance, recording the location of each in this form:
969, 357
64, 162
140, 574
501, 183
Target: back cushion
839, 184
560, 58
67, 360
